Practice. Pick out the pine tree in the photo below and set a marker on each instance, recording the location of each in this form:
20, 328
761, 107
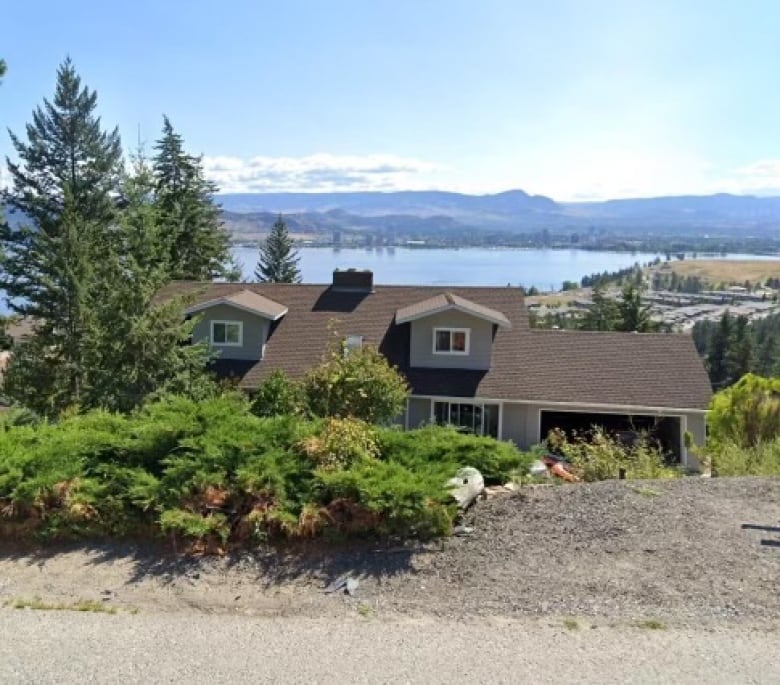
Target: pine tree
63, 184
278, 261
740, 357
136, 346
2, 68
603, 313
717, 354
632, 315
197, 244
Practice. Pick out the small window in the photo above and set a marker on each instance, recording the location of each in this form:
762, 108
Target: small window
352, 342
451, 340
227, 333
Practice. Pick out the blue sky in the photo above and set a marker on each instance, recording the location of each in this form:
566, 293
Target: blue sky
575, 100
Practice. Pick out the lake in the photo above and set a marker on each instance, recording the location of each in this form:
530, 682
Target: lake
545, 269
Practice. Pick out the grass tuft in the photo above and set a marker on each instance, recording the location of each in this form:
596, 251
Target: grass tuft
571, 624
651, 624
37, 604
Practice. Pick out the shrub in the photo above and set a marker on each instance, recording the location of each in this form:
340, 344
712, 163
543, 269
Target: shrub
279, 396
747, 413
731, 459
341, 442
211, 473
359, 383
447, 449
599, 456
386, 497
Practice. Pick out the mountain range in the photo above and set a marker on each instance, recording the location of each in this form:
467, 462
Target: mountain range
514, 211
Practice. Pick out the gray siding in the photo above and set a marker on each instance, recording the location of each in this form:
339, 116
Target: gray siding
520, 424
480, 346
696, 425
419, 412
255, 331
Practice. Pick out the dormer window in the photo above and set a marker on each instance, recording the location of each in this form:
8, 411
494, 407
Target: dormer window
351, 343
451, 340
227, 333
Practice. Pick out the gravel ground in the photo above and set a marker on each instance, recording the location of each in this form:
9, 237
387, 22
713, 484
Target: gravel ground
613, 553
69, 647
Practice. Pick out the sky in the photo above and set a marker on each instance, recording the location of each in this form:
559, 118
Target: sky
576, 100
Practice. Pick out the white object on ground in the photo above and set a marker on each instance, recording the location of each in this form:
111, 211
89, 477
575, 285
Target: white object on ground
466, 486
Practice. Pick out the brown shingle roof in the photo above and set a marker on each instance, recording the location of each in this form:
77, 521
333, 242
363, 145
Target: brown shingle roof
446, 301
247, 300
649, 370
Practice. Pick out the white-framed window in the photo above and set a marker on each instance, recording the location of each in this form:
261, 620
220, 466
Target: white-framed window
227, 333
351, 343
451, 340
479, 418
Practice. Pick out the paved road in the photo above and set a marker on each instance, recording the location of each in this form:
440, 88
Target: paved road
69, 647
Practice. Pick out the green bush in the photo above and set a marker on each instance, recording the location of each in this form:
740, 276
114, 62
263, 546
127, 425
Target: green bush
731, 459
599, 456
212, 473
446, 449
747, 413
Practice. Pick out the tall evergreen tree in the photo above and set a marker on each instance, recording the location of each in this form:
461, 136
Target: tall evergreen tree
2, 68
740, 357
198, 246
278, 262
602, 315
632, 314
64, 186
138, 346
717, 353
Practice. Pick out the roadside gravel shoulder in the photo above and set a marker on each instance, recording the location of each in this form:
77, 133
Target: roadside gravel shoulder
614, 552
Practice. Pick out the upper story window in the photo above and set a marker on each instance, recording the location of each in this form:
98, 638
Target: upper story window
451, 340
352, 342
227, 333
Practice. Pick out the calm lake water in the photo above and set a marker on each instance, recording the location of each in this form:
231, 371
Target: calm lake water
545, 269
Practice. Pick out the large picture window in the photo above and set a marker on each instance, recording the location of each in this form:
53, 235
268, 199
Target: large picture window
451, 340
481, 419
227, 333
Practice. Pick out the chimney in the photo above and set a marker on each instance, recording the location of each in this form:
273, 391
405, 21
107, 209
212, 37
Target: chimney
353, 280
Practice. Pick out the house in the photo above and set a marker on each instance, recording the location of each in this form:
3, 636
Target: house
468, 353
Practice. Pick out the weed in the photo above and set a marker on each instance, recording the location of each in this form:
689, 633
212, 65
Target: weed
651, 624
571, 624
37, 604
365, 610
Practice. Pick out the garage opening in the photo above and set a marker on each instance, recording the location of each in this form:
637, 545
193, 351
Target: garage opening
666, 430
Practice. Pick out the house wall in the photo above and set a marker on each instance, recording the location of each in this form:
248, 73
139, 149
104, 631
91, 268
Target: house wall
520, 424
419, 412
696, 425
480, 346
255, 331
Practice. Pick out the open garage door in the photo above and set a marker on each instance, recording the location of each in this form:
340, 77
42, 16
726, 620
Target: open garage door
665, 429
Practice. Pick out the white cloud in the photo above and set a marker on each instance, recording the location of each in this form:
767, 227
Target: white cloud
320, 172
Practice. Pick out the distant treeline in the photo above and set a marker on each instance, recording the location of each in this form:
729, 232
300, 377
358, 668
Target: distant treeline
734, 346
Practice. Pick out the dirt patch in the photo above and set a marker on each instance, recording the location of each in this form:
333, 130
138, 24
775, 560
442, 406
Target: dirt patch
676, 551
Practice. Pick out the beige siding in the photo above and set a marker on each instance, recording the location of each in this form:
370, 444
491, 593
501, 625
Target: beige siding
480, 345
255, 331
419, 412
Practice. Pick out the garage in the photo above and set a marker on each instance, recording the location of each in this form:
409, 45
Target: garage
666, 430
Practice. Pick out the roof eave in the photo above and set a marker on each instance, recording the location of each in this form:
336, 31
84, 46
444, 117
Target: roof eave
501, 323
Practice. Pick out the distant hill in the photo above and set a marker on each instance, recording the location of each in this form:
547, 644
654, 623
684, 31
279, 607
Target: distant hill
512, 211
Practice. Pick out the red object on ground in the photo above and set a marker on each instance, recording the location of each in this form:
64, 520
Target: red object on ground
559, 470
